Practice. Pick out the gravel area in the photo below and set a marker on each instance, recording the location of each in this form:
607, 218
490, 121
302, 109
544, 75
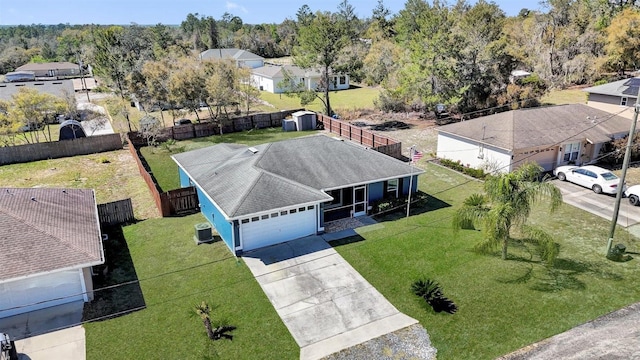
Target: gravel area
411, 343
342, 224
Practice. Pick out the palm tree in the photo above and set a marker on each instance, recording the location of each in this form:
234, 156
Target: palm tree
507, 203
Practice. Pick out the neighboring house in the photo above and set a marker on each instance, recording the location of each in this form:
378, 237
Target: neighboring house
276, 192
616, 97
52, 69
242, 58
50, 239
59, 88
550, 136
269, 78
518, 74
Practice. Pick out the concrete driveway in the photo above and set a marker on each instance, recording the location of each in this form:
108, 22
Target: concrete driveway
324, 302
598, 204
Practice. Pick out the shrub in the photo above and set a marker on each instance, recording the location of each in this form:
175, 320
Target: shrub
430, 291
457, 166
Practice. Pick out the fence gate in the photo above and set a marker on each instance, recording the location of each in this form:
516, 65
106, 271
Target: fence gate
180, 201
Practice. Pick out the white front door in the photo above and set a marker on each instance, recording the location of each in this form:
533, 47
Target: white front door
360, 200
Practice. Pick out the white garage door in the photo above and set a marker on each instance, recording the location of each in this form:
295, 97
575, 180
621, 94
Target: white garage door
31, 294
277, 227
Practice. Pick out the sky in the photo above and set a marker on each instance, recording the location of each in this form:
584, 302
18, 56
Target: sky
173, 12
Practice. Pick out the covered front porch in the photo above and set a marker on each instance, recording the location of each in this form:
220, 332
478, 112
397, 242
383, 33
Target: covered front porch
347, 202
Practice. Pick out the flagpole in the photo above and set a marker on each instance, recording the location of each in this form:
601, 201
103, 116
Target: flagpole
410, 178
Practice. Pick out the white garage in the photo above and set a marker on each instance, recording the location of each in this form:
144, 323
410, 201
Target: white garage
41, 291
49, 241
277, 227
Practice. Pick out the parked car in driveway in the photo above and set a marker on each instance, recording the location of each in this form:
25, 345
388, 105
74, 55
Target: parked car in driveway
593, 177
633, 193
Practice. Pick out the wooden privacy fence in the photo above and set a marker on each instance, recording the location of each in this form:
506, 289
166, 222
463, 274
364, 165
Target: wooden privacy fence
116, 212
380, 143
170, 203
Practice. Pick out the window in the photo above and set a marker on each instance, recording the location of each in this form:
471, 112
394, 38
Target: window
337, 198
244, 221
255, 218
265, 217
274, 215
343, 80
310, 207
571, 152
301, 209
623, 101
293, 211
392, 187
283, 213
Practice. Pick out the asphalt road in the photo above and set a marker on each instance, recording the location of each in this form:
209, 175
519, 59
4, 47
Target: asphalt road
598, 204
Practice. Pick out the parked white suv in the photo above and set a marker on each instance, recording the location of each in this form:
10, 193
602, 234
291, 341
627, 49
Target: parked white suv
633, 193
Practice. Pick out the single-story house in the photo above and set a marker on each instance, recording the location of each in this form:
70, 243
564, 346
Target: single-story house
616, 97
269, 78
551, 136
52, 69
59, 88
50, 239
242, 58
276, 192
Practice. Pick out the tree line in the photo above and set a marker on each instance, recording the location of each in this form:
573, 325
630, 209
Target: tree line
428, 53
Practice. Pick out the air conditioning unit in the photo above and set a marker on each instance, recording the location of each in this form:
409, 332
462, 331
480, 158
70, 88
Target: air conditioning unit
203, 233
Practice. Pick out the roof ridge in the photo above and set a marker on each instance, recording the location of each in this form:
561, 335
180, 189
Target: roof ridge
255, 181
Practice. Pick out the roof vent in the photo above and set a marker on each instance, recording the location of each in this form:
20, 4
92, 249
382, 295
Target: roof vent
253, 150
33, 198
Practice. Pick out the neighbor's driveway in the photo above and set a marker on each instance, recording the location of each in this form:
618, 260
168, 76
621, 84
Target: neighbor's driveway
324, 302
598, 204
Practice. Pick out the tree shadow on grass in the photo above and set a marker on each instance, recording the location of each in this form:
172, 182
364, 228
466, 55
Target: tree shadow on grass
116, 288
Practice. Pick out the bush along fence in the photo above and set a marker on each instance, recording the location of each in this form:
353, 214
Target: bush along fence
457, 166
171, 203
383, 144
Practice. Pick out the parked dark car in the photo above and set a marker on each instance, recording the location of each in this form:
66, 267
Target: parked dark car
183, 122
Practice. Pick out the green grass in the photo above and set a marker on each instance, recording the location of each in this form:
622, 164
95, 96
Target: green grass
48, 133
352, 99
175, 275
503, 305
569, 96
165, 169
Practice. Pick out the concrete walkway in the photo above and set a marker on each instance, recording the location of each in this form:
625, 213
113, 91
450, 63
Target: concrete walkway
324, 302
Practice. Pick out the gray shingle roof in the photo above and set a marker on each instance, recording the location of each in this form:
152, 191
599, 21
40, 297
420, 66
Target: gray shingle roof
48, 66
59, 88
626, 87
233, 53
43, 230
284, 173
543, 126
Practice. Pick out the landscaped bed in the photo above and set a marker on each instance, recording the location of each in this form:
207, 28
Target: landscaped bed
502, 305
175, 275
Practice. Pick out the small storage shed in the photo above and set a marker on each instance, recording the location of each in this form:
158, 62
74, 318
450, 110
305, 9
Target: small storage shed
71, 129
305, 120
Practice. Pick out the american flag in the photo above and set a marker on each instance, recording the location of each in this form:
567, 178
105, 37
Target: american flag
416, 155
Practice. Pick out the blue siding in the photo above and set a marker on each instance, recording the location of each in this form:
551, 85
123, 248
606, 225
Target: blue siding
376, 191
212, 213
405, 184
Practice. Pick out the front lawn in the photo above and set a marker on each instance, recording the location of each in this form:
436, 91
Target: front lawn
175, 274
503, 305
165, 169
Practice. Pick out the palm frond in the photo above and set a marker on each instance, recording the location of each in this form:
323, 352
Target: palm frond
547, 247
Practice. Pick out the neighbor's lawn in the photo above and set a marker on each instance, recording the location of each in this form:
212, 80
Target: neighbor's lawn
175, 275
49, 133
503, 305
570, 96
113, 175
352, 99
165, 169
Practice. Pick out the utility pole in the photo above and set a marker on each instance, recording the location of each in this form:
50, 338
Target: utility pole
625, 165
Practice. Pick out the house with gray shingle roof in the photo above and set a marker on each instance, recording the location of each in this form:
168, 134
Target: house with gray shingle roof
51, 69
276, 192
242, 58
551, 136
59, 88
270, 78
616, 97
50, 239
